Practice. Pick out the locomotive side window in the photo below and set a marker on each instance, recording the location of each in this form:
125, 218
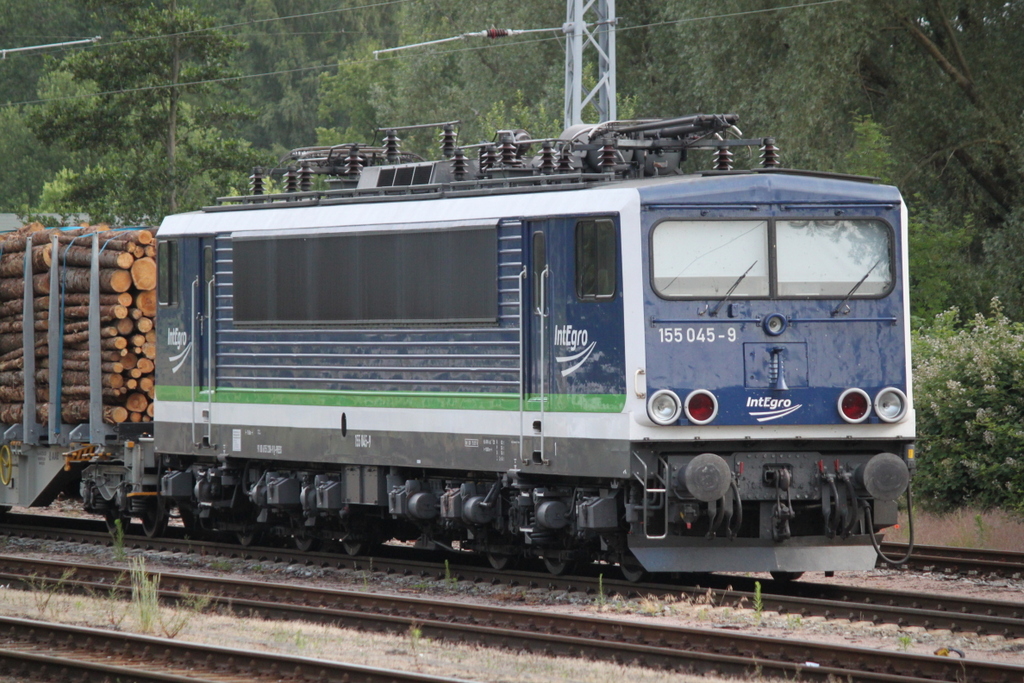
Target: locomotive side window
849, 256
704, 259
400, 276
596, 257
540, 263
167, 273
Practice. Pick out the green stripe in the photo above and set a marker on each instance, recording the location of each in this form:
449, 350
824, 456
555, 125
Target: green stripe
561, 403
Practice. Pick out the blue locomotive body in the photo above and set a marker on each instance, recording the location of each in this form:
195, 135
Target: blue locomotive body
581, 356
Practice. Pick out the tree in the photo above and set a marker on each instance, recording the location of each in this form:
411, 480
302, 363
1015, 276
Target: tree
147, 126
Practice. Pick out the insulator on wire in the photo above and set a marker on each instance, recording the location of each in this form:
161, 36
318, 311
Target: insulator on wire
769, 154
354, 162
291, 180
448, 141
460, 164
723, 159
564, 160
608, 156
497, 32
509, 151
256, 181
547, 158
391, 145
305, 178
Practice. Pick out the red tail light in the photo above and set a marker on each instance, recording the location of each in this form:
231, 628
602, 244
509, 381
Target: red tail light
701, 406
854, 405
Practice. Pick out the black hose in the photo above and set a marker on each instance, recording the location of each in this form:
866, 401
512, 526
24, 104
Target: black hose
910, 526
734, 529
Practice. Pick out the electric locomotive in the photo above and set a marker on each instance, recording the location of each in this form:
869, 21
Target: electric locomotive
563, 349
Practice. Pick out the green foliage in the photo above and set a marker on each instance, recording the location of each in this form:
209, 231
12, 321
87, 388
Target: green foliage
969, 412
871, 154
141, 149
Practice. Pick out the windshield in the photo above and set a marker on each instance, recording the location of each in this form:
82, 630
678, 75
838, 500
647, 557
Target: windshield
812, 258
706, 258
844, 253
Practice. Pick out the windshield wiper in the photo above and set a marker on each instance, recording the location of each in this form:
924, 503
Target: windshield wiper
839, 306
732, 289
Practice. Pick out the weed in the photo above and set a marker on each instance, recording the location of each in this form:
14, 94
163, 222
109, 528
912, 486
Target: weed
758, 602
794, 621
905, 642
145, 595
451, 580
114, 607
220, 565
43, 590
415, 635
702, 614
601, 598
117, 538
189, 606
980, 529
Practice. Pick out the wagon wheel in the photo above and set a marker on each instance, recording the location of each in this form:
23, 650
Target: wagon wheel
111, 517
6, 465
786, 577
355, 545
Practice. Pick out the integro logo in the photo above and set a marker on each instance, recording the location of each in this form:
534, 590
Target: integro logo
776, 408
178, 339
571, 339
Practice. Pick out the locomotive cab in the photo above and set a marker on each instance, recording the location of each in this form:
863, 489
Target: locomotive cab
777, 421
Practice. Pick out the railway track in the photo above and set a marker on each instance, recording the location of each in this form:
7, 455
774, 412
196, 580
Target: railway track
702, 651
967, 561
36, 650
803, 598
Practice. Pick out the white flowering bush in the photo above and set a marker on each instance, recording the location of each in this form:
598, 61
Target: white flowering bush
969, 396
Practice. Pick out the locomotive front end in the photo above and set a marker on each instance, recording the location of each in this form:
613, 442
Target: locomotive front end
773, 417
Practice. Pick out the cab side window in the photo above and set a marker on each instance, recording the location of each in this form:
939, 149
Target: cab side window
167, 273
596, 259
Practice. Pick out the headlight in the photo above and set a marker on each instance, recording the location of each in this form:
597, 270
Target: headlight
890, 405
664, 407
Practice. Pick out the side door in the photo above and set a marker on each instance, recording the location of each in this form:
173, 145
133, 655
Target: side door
203, 329
536, 341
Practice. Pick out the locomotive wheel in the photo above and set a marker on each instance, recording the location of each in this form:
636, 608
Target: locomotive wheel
632, 570
558, 567
786, 577
306, 544
248, 536
500, 561
154, 520
355, 546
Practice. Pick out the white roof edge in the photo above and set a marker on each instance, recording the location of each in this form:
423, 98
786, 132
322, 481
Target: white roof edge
449, 211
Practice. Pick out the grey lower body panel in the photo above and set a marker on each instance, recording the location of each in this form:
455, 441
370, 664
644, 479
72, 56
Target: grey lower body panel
804, 553
563, 456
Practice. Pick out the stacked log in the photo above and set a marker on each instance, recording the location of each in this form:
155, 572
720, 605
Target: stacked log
128, 305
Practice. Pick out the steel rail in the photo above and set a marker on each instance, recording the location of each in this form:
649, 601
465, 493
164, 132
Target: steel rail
804, 598
672, 647
38, 649
969, 561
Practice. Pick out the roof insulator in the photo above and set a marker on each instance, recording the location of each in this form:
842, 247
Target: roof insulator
608, 155
488, 158
460, 165
723, 159
391, 144
291, 180
354, 162
305, 178
448, 141
769, 154
564, 160
509, 151
256, 181
547, 158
